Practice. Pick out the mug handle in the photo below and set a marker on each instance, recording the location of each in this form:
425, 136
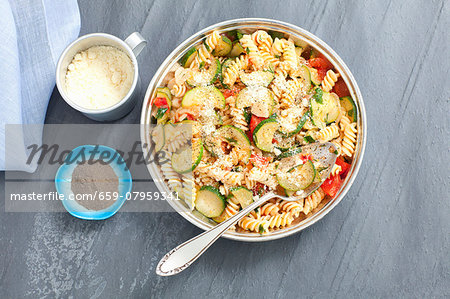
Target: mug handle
136, 42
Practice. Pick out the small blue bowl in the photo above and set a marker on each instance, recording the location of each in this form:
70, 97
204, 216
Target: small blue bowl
63, 181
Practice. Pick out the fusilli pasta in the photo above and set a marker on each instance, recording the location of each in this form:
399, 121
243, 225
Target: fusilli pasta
349, 140
231, 73
329, 80
312, 201
205, 49
253, 52
328, 133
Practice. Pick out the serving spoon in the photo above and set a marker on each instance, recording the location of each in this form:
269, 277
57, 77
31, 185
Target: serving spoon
182, 256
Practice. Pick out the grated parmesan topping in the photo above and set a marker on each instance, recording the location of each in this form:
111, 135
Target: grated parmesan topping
207, 112
289, 118
201, 78
257, 97
256, 78
280, 82
294, 177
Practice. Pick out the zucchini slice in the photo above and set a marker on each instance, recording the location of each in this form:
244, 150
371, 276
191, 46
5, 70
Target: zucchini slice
332, 109
198, 95
317, 110
234, 136
243, 195
260, 99
305, 75
182, 160
187, 58
206, 76
325, 111
314, 76
197, 153
257, 78
298, 178
238, 138
236, 50
263, 134
324, 108
225, 65
210, 202
164, 92
223, 47
222, 217
158, 137
349, 106
187, 158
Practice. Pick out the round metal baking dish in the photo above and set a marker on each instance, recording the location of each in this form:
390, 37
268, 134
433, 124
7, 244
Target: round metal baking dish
297, 33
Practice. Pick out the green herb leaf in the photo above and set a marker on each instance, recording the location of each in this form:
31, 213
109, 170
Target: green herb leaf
309, 139
160, 113
273, 116
276, 34
247, 114
238, 35
207, 47
320, 169
231, 140
336, 152
247, 50
261, 229
270, 69
202, 65
318, 95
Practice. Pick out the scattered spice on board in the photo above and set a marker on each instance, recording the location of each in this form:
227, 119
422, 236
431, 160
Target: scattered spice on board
91, 178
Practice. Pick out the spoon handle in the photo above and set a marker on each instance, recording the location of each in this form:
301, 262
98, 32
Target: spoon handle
185, 254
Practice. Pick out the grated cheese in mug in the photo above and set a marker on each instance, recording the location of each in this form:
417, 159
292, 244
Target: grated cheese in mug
99, 77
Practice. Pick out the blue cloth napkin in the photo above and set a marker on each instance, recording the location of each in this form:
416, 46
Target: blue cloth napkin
33, 34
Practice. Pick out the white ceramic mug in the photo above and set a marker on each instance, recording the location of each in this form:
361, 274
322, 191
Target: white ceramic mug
132, 45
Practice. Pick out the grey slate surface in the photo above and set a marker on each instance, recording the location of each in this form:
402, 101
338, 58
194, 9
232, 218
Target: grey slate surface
389, 237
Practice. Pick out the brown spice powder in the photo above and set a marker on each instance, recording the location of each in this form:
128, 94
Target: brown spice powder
93, 177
